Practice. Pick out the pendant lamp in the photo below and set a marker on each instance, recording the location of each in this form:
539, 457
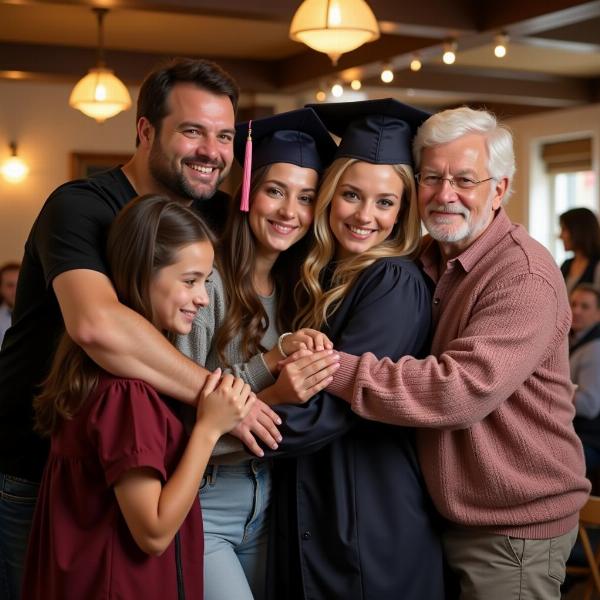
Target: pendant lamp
334, 26
100, 94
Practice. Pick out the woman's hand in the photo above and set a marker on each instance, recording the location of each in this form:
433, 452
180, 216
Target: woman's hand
223, 403
302, 378
305, 339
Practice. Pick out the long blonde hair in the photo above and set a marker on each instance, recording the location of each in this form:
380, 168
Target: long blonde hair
320, 304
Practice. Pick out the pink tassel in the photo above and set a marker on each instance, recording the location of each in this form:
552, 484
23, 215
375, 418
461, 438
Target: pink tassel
245, 197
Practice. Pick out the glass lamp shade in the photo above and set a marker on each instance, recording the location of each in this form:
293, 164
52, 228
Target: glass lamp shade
334, 26
100, 95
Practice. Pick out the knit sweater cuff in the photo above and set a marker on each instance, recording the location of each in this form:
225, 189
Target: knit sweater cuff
342, 385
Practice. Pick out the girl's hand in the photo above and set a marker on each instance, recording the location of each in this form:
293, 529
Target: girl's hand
302, 378
305, 339
223, 403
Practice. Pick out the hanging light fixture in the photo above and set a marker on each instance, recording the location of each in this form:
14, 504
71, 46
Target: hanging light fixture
334, 26
100, 94
14, 169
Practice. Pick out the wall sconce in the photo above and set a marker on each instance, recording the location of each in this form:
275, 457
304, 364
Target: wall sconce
449, 55
501, 42
334, 26
100, 94
415, 64
14, 169
387, 75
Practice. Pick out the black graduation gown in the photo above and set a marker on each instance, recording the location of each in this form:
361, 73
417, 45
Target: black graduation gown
351, 516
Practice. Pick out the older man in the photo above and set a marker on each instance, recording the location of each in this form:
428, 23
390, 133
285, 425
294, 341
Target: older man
498, 451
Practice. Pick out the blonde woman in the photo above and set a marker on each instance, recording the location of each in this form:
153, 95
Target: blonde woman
352, 518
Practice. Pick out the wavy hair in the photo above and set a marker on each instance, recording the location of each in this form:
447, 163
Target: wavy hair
145, 237
319, 303
245, 315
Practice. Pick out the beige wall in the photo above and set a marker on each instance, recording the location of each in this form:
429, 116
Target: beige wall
37, 116
529, 134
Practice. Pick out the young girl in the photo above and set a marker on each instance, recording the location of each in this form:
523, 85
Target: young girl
251, 304
353, 519
122, 477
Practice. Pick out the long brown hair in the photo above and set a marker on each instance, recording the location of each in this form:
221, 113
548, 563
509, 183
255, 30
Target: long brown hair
145, 237
584, 230
245, 314
319, 304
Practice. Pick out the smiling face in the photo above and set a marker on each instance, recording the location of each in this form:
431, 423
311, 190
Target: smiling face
193, 151
457, 217
364, 207
178, 290
281, 209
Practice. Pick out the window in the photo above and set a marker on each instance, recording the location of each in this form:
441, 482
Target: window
561, 178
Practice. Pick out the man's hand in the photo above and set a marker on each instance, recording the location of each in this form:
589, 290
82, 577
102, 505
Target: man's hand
261, 422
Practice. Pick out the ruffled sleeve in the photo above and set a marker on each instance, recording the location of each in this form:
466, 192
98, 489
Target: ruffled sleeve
129, 425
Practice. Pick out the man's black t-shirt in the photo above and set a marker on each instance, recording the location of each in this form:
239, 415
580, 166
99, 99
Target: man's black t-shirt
69, 233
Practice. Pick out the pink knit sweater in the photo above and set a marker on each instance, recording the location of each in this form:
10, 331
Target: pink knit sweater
497, 448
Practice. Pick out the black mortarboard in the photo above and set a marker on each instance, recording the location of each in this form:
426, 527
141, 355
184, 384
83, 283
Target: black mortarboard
297, 137
376, 131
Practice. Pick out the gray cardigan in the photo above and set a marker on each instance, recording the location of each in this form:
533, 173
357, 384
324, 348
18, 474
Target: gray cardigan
198, 345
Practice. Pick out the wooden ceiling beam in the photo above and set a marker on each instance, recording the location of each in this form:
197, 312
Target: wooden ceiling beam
69, 64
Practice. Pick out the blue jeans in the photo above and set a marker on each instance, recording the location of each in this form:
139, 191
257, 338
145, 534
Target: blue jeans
17, 503
235, 501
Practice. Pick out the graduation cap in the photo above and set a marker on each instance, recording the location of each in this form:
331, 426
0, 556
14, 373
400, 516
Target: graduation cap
376, 131
297, 137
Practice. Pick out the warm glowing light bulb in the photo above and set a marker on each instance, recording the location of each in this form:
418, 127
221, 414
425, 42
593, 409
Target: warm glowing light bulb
415, 64
321, 96
337, 90
14, 170
449, 57
387, 75
100, 93
500, 51
335, 15
356, 84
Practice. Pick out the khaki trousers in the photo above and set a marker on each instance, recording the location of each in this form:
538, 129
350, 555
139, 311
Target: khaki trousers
499, 567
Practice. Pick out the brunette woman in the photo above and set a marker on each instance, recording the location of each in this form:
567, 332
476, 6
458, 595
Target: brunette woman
580, 234
252, 303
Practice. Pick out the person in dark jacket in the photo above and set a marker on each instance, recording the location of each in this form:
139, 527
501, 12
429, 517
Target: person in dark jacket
580, 234
352, 519
584, 362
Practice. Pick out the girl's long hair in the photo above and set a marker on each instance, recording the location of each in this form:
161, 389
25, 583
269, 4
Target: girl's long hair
319, 304
145, 237
245, 315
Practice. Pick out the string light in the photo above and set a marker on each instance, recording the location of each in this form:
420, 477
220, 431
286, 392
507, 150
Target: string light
449, 55
501, 43
337, 91
387, 75
415, 64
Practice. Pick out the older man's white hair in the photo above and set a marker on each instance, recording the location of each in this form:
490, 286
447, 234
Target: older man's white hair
449, 125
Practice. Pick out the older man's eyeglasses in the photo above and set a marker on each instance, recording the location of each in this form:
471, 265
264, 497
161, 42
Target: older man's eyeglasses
461, 182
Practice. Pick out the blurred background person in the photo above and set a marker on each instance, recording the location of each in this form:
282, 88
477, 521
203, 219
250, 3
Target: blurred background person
580, 234
584, 359
9, 273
